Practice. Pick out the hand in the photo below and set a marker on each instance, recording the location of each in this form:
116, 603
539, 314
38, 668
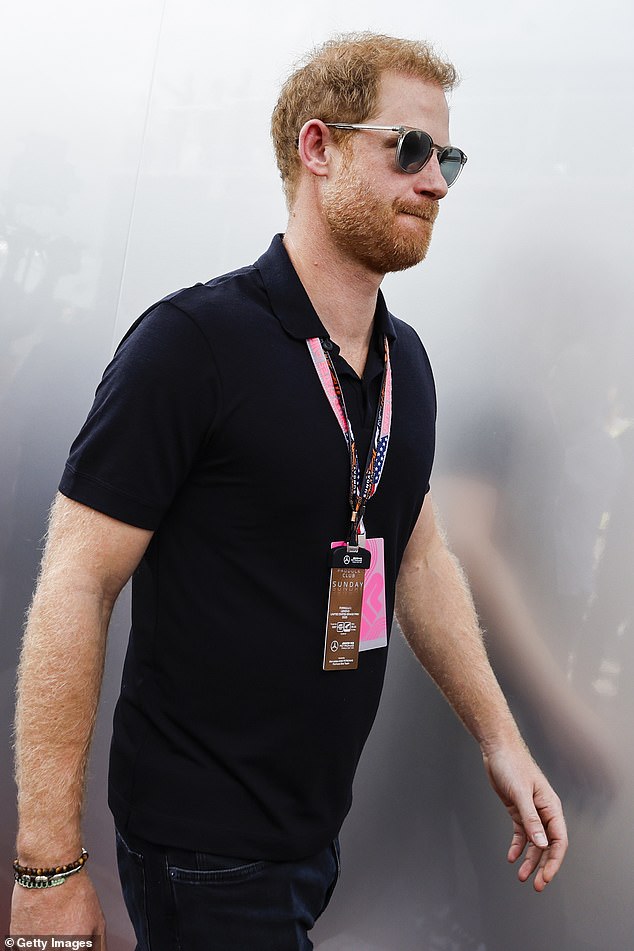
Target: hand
535, 809
68, 909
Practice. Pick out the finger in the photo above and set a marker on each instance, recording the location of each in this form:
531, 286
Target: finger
538, 879
539, 882
550, 859
532, 824
555, 855
558, 840
530, 863
518, 843
544, 862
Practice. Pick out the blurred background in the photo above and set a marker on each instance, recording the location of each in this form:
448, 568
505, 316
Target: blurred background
136, 160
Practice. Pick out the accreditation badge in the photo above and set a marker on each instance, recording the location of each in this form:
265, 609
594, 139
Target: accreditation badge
356, 617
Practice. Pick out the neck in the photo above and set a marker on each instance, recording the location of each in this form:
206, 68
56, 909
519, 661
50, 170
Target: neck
342, 292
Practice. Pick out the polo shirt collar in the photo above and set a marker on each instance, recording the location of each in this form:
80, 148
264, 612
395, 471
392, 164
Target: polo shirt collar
291, 304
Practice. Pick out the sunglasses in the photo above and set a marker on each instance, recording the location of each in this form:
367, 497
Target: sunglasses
414, 149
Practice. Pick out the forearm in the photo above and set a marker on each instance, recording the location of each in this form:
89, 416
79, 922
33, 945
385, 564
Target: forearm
59, 680
436, 613
88, 559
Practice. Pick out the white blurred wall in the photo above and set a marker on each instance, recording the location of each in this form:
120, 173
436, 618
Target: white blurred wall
135, 160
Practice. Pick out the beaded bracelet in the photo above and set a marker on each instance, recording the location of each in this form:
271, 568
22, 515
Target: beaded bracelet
31, 877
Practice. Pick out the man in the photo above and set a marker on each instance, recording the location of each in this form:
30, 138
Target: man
224, 464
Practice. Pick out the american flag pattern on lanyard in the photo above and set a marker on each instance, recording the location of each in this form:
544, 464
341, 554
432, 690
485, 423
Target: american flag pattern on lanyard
361, 489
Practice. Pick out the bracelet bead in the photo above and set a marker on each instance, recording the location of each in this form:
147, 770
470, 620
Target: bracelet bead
30, 877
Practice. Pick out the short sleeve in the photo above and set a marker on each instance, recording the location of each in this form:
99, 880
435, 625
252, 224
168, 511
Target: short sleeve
153, 413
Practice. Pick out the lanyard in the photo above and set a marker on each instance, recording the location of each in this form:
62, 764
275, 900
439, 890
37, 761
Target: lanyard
361, 488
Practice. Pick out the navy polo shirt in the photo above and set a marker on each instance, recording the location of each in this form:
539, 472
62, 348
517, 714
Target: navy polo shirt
211, 428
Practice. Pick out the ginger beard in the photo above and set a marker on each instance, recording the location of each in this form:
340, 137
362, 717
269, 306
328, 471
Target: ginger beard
382, 235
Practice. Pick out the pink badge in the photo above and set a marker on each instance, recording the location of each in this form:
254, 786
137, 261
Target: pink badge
373, 632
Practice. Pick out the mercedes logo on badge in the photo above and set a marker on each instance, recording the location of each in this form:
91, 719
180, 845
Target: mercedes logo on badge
334, 646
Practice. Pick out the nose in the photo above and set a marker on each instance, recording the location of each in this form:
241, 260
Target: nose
429, 181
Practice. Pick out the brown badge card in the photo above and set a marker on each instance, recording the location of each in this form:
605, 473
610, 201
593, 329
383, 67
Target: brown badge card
345, 598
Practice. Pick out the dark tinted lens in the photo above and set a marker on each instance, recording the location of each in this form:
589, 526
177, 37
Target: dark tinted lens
415, 151
451, 161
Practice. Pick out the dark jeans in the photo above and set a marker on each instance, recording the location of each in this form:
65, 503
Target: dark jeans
195, 901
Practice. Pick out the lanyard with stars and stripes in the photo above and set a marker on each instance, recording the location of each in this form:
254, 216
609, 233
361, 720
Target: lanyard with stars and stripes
361, 490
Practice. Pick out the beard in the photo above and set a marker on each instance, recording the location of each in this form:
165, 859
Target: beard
375, 232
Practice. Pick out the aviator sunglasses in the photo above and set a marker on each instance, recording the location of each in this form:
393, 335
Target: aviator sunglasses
414, 149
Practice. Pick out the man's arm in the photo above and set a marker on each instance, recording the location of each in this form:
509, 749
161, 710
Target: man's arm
437, 616
87, 561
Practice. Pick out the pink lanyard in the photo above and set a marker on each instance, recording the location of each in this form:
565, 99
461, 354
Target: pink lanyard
361, 490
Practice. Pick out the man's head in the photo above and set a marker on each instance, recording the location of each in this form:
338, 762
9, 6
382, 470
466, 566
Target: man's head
373, 212
340, 82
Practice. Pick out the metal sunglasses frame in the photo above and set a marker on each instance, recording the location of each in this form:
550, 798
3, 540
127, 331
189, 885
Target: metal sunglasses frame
402, 132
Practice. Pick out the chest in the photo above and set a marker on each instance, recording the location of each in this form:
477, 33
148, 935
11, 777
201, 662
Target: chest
278, 455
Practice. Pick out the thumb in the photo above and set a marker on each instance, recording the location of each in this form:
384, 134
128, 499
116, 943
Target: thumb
533, 825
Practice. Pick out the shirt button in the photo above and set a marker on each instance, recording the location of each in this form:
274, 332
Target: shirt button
327, 344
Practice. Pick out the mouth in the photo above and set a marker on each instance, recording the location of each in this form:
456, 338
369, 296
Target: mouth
415, 214
424, 214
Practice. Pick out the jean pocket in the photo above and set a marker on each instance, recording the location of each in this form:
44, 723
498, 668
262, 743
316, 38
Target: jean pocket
213, 869
336, 855
132, 874
337, 850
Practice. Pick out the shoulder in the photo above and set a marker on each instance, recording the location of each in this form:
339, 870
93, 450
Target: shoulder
194, 316
413, 376
241, 285
408, 347
405, 332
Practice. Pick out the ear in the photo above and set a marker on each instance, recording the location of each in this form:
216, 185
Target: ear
314, 145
